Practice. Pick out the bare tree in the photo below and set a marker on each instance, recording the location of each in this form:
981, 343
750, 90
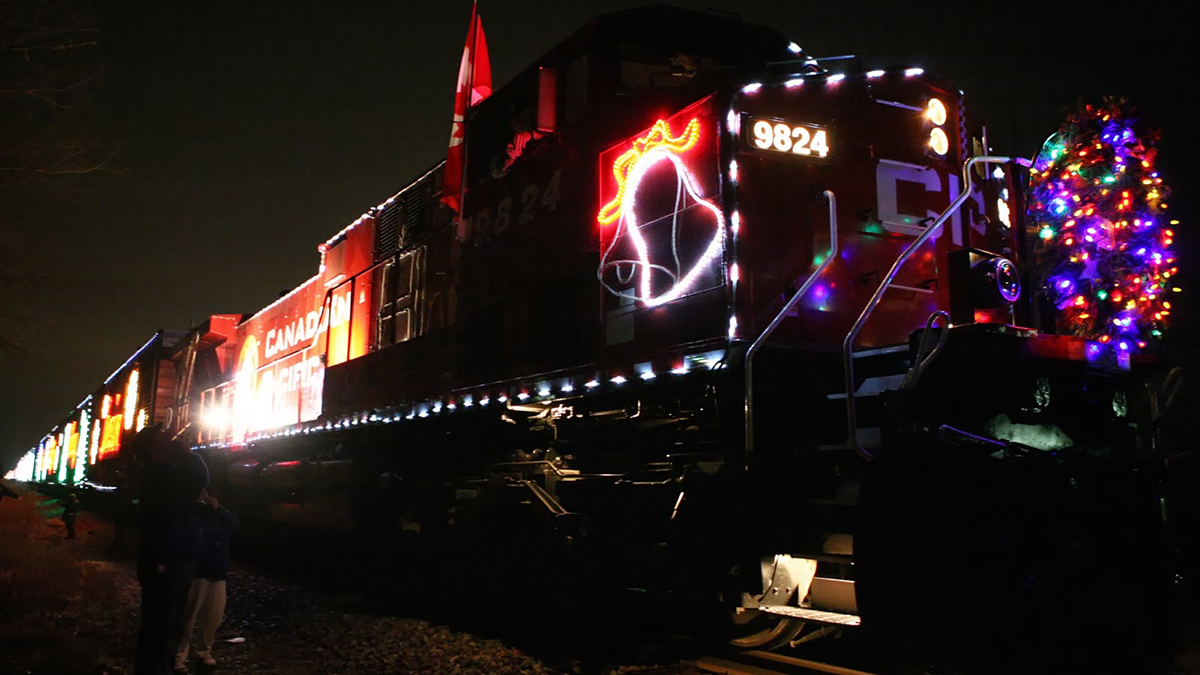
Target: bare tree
49, 64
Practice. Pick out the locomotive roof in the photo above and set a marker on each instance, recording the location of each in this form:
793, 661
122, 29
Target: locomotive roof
744, 43
738, 44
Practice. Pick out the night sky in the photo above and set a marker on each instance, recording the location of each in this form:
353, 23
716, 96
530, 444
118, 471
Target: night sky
245, 133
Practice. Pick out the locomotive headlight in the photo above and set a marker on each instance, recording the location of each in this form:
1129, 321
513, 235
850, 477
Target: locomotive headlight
938, 142
935, 112
980, 280
996, 282
1008, 281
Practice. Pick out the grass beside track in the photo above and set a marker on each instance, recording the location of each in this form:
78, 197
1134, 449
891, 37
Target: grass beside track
68, 606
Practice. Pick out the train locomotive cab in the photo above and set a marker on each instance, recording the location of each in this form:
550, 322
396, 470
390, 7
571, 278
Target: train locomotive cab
899, 430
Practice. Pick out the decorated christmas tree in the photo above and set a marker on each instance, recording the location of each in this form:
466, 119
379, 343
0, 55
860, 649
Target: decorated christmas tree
1102, 240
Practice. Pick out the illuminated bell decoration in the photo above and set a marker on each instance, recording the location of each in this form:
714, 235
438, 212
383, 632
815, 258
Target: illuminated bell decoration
640, 270
659, 137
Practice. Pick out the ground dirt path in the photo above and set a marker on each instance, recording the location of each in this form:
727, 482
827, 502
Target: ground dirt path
70, 607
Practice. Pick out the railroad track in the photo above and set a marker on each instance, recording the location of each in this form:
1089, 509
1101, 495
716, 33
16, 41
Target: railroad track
770, 663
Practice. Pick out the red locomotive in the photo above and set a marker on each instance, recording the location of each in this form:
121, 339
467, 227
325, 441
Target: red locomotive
710, 306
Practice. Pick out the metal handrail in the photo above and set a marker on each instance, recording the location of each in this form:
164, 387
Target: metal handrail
848, 343
762, 338
552, 505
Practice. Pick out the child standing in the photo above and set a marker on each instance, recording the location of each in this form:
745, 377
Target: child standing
70, 511
206, 600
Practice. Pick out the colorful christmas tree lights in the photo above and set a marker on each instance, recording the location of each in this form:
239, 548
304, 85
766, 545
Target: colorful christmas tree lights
1102, 242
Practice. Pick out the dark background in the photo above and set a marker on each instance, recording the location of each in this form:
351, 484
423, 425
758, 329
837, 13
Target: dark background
245, 133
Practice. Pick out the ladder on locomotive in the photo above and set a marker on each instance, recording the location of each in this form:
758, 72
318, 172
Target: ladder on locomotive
830, 599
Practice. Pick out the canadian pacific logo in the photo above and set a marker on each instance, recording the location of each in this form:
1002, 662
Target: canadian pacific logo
278, 379
302, 331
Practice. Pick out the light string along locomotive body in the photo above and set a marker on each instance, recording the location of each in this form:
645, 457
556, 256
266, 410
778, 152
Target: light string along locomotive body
733, 328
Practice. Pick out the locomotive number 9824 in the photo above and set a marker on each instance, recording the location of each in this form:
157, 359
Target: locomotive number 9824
799, 139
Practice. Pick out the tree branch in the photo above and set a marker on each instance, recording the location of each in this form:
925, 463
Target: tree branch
102, 166
59, 47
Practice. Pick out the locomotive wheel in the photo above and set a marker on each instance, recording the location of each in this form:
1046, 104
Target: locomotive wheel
753, 629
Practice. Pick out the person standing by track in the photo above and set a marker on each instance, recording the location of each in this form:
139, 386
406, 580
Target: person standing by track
173, 479
70, 510
206, 600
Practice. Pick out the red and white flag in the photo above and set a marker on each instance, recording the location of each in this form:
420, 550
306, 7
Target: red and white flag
474, 85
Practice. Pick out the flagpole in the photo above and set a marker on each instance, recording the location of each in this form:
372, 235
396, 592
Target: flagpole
462, 199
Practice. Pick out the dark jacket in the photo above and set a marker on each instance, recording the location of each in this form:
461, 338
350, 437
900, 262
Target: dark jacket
170, 530
217, 527
70, 507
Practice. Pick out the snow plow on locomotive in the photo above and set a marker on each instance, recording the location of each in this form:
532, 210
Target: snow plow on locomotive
736, 329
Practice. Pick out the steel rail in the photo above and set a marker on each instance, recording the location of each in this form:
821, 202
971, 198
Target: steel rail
779, 664
800, 293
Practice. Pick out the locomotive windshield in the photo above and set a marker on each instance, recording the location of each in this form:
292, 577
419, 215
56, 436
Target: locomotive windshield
645, 66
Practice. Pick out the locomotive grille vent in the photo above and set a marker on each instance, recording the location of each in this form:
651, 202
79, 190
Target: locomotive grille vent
387, 232
414, 211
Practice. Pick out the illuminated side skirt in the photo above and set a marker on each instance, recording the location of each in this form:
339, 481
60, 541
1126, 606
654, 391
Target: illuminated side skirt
548, 390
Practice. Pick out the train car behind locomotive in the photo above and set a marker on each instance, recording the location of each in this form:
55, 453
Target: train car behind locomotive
720, 325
